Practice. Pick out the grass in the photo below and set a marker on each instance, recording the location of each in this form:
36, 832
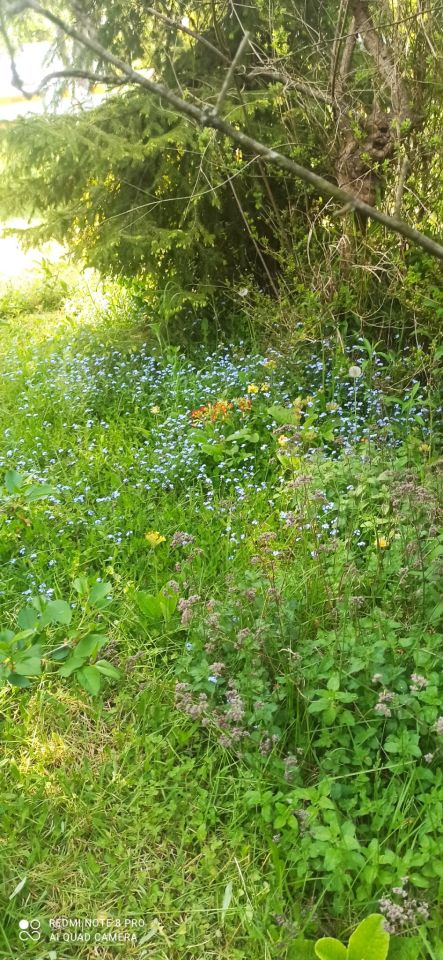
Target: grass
287, 784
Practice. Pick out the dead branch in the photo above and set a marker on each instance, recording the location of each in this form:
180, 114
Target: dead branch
404, 171
383, 59
191, 33
341, 20
279, 76
226, 83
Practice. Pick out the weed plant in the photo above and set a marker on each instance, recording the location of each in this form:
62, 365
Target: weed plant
261, 765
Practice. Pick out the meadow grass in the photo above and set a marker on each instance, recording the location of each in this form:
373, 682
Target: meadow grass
267, 767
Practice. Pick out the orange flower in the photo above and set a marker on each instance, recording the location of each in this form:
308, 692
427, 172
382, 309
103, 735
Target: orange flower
244, 404
212, 411
220, 409
199, 413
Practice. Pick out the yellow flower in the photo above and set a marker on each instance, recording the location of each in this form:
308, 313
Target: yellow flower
332, 407
381, 543
264, 387
154, 538
270, 364
155, 409
424, 448
282, 440
252, 388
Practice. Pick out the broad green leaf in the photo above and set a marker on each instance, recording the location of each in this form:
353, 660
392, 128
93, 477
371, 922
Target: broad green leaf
74, 663
436, 613
99, 592
23, 635
81, 586
107, 669
90, 645
60, 653
168, 604
215, 450
90, 679
290, 463
27, 618
401, 949
328, 948
283, 415
149, 605
38, 603
13, 481
38, 491
243, 435
317, 706
57, 611
301, 950
6, 636
18, 681
370, 941
31, 667
33, 651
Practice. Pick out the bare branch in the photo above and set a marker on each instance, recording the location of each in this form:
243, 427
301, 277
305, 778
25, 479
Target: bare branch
191, 33
230, 73
15, 76
15, 8
404, 171
207, 118
279, 76
345, 63
341, 20
73, 74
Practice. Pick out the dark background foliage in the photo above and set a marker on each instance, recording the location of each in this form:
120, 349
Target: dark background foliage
141, 193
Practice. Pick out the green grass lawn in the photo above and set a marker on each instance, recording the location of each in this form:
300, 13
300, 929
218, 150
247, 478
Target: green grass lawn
262, 761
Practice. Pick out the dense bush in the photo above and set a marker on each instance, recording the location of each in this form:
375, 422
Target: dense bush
141, 192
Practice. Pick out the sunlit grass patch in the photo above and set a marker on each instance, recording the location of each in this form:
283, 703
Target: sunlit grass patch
267, 764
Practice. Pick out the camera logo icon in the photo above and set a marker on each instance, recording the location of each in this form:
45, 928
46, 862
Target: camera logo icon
30, 930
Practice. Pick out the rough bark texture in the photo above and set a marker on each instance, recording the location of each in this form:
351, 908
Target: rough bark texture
384, 60
360, 156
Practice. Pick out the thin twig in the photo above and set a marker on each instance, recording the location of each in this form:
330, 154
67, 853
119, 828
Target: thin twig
15, 76
78, 75
404, 171
191, 33
278, 76
230, 73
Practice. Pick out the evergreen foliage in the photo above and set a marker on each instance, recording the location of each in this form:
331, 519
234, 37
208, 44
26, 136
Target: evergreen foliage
138, 191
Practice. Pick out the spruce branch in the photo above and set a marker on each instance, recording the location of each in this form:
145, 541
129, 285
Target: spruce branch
207, 118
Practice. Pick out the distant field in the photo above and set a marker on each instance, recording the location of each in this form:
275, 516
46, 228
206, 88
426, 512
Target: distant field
15, 262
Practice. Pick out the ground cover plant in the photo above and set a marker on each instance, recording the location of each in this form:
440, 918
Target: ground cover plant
221, 643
